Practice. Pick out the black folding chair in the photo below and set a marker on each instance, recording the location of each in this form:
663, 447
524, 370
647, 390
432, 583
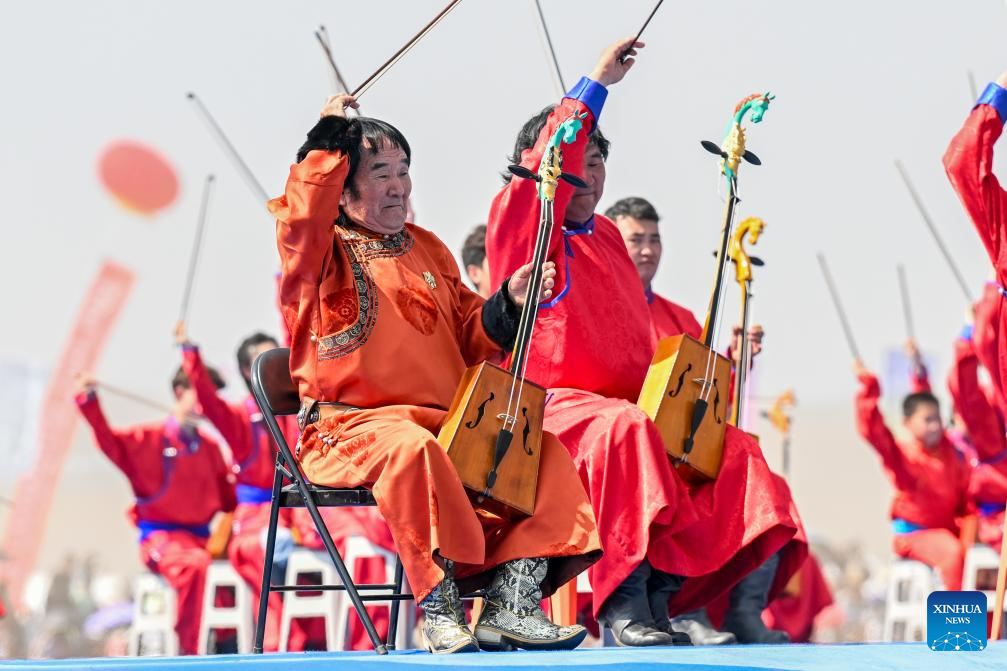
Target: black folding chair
276, 394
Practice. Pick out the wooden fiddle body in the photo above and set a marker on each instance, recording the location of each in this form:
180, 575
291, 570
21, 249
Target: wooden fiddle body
470, 435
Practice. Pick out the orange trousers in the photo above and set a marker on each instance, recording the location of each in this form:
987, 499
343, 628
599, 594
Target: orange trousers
934, 547
181, 559
394, 451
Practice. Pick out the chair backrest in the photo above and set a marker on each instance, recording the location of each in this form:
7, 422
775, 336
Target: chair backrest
272, 386
276, 394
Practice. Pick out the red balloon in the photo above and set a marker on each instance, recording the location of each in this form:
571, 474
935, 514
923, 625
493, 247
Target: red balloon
138, 176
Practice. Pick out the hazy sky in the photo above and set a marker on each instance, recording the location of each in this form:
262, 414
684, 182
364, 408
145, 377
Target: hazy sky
858, 83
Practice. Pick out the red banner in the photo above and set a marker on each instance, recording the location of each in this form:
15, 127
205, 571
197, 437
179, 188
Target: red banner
33, 494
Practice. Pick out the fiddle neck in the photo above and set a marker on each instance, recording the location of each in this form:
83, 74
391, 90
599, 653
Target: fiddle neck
713, 312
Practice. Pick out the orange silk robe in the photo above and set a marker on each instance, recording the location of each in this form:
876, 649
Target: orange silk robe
385, 324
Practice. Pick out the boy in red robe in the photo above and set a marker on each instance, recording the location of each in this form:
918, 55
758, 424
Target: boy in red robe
382, 330
930, 476
180, 480
592, 349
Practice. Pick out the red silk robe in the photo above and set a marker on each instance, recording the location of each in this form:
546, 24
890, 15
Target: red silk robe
669, 319
969, 165
592, 349
987, 445
384, 323
180, 483
931, 489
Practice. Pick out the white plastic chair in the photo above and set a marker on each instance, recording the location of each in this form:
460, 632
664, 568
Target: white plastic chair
155, 610
220, 574
909, 584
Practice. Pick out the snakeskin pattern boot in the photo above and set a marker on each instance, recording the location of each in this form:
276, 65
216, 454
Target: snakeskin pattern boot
444, 628
513, 617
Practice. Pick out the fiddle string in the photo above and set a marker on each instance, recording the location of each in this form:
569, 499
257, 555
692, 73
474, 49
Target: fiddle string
711, 356
526, 324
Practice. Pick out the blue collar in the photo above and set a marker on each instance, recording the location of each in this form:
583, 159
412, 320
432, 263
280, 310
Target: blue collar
576, 228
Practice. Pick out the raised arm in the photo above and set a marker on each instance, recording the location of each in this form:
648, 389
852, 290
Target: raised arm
969, 165
122, 447
305, 214
514, 215
872, 428
919, 379
982, 423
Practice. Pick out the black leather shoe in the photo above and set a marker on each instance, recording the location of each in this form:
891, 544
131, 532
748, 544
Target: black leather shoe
700, 631
635, 634
627, 612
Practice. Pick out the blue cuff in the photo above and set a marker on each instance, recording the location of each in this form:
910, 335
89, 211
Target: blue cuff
592, 94
966, 333
996, 97
189, 347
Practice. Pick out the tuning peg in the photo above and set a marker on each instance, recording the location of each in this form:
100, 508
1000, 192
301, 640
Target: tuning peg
521, 171
712, 148
573, 179
756, 261
751, 158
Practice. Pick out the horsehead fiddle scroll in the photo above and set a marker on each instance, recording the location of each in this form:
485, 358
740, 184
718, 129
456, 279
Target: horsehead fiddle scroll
751, 228
491, 402
691, 416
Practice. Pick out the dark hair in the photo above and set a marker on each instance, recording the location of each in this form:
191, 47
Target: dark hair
912, 402
637, 208
351, 136
182, 380
532, 128
474, 249
244, 354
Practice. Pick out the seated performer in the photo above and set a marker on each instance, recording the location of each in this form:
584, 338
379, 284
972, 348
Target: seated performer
637, 221
930, 476
180, 481
592, 350
979, 435
254, 453
382, 330
474, 261
969, 165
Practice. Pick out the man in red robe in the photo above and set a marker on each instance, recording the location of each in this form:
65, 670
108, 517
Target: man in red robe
979, 434
382, 330
930, 476
637, 221
474, 261
969, 165
592, 349
253, 452
180, 480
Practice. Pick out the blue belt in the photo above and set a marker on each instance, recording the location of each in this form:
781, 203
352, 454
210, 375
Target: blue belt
990, 509
250, 494
147, 528
901, 526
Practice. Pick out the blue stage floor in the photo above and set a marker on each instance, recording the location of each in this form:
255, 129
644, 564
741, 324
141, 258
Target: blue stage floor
915, 656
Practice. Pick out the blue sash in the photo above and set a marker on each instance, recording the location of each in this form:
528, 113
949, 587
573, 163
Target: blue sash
991, 509
147, 528
901, 526
251, 494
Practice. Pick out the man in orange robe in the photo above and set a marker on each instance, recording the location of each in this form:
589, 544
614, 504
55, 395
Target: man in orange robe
180, 480
382, 330
592, 350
